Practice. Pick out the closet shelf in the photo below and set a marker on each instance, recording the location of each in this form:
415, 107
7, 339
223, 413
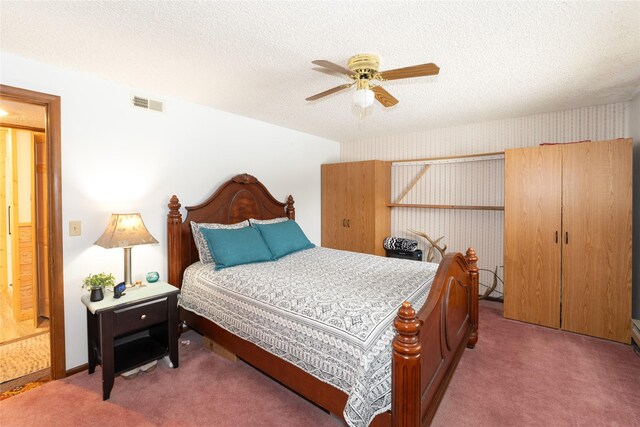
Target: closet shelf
467, 207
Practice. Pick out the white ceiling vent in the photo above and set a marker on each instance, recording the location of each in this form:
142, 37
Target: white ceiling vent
146, 103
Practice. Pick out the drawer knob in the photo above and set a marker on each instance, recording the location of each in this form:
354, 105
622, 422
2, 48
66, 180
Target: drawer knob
144, 316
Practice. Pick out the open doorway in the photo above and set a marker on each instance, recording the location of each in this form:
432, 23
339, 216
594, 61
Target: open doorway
38, 306
24, 281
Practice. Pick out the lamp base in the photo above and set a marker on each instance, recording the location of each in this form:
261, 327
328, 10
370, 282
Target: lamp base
127, 265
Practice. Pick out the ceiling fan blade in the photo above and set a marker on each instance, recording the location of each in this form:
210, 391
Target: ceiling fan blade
429, 69
333, 67
327, 71
329, 92
384, 97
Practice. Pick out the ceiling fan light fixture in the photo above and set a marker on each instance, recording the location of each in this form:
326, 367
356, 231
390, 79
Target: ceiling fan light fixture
364, 69
363, 98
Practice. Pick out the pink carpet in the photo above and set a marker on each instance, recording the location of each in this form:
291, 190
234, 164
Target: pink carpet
518, 374
206, 390
527, 375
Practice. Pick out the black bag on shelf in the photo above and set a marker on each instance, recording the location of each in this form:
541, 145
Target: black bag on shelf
400, 244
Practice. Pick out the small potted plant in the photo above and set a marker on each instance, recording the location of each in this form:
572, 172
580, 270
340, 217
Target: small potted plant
96, 284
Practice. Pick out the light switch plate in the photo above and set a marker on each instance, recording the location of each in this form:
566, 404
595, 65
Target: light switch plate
74, 228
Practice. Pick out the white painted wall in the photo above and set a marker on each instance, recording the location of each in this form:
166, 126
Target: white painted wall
634, 132
479, 183
119, 159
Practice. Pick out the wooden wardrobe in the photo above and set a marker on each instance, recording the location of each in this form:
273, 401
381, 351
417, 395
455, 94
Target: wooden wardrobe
567, 231
355, 216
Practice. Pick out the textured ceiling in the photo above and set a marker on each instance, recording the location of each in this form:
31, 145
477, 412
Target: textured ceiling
497, 59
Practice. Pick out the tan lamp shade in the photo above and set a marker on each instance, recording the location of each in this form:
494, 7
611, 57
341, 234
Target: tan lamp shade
125, 230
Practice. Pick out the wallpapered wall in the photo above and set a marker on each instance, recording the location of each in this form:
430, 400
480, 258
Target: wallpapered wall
479, 182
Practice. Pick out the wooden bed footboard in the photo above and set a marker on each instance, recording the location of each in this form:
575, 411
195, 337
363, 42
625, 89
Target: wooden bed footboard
428, 344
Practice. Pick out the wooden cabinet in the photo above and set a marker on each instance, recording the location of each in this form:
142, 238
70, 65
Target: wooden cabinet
568, 222
125, 333
355, 216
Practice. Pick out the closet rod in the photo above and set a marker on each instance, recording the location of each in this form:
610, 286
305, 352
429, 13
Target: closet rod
499, 155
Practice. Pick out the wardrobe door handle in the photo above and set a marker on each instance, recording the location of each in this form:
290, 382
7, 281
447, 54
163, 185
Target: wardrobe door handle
343, 222
566, 237
556, 236
349, 223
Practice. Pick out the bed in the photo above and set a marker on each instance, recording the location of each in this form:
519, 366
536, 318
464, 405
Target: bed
423, 348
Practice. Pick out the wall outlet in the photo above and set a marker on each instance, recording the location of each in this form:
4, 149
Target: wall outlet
74, 228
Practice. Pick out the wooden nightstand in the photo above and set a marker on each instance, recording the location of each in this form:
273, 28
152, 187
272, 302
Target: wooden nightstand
135, 329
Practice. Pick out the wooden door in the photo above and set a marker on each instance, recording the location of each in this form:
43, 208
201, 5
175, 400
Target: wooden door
14, 232
41, 221
333, 205
358, 189
532, 221
376, 213
596, 275
22, 230
4, 255
368, 217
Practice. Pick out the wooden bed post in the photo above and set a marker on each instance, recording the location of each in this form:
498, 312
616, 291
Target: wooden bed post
174, 222
472, 259
290, 210
405, 379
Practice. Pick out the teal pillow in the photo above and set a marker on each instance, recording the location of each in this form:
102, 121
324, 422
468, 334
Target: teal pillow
283, 238
231, 247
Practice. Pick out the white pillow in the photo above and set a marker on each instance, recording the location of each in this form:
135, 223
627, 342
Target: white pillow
201, 243
268, 221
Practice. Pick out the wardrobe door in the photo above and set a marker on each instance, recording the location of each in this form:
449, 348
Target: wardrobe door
596, 275
358, 187
532, 220
334, 194
369, 217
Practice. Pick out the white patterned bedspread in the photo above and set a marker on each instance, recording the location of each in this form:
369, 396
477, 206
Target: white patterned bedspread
328, 312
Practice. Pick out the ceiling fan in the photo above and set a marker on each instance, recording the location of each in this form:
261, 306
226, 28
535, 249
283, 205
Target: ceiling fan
363, 70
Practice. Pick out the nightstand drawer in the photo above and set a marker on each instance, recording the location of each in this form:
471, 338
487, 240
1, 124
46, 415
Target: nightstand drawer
140, 316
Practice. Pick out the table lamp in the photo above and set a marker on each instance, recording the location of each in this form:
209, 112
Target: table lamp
125, 231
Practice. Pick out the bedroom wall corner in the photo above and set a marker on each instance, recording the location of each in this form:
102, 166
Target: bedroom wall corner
634, 132
117, 158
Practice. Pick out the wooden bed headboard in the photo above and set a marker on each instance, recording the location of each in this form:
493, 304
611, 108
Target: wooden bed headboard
240, 198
